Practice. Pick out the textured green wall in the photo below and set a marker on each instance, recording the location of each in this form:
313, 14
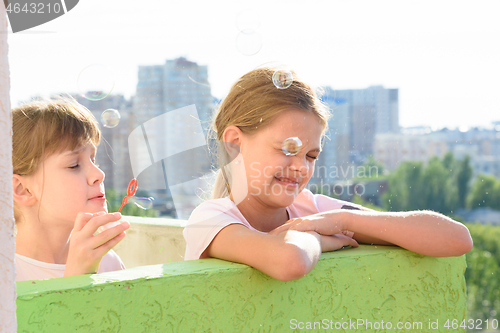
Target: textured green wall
369, 283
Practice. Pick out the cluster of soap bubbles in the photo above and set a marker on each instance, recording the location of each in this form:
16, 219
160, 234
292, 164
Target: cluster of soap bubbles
282, 78
291, 146
95, 82
248, 41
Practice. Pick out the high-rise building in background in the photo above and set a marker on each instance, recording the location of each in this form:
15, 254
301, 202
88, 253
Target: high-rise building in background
358, 115
333, 161
148, 101
339, 126
184, 83
372, 111
165, 88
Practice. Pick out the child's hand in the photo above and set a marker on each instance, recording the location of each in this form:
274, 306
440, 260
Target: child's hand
335, 242
326, 223
85, 249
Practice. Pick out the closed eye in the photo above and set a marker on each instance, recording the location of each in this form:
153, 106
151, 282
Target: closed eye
313, 157
74, 166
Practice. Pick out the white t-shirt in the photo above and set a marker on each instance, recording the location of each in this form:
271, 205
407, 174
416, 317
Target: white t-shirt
210, 217
31, 269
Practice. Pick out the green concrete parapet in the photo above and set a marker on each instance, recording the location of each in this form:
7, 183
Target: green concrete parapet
347, 291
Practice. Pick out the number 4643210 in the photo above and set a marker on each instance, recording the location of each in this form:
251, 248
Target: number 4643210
34, 8
477, 324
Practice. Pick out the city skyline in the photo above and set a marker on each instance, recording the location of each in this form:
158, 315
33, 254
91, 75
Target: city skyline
441, 60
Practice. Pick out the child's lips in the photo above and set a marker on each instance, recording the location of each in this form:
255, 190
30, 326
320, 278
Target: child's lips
98, 197
288, 181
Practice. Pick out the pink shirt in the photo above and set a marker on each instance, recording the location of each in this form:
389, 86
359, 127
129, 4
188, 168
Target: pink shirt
213, 215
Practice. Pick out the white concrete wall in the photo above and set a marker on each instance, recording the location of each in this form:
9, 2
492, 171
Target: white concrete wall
152, 241
7, 239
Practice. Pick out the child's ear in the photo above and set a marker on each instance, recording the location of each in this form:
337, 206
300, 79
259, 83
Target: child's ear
232, 141
21, 193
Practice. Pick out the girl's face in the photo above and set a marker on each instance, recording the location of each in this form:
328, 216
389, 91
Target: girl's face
68, 183
274, 178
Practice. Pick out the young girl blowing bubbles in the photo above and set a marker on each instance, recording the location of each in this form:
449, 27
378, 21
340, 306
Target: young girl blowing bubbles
262, 215
59, 200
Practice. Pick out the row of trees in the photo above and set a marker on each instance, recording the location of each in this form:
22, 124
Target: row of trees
482, 273
441, 186
485, 192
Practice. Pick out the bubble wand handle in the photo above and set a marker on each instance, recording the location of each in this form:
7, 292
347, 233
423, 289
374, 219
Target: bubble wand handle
132, 188
124, 202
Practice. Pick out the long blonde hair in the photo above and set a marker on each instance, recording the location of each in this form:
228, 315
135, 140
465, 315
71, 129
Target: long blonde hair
253, 102
42, 128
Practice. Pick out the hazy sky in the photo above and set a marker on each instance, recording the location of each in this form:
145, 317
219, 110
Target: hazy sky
442, 55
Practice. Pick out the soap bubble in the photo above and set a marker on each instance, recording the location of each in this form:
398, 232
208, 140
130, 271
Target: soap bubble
110, 118
282, 78
143, 203
291, 146
248, 20
248, 42
95, 82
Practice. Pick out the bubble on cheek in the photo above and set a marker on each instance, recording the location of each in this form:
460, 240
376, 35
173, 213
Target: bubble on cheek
291, 146
143, 203
110, 118
282, 78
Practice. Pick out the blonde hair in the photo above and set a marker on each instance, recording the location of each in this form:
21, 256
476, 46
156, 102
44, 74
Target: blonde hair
252, 103
42, 128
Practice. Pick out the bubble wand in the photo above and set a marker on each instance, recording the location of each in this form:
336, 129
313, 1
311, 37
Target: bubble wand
132, 188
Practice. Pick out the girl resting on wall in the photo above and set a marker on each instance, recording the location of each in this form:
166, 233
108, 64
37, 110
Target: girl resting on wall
262, 215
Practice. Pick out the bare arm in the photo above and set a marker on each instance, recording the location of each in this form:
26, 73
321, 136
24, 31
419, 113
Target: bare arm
423, 232
364, 239
285, 256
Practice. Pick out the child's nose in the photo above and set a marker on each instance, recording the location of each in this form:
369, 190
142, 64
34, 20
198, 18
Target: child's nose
97, 175
300, 164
